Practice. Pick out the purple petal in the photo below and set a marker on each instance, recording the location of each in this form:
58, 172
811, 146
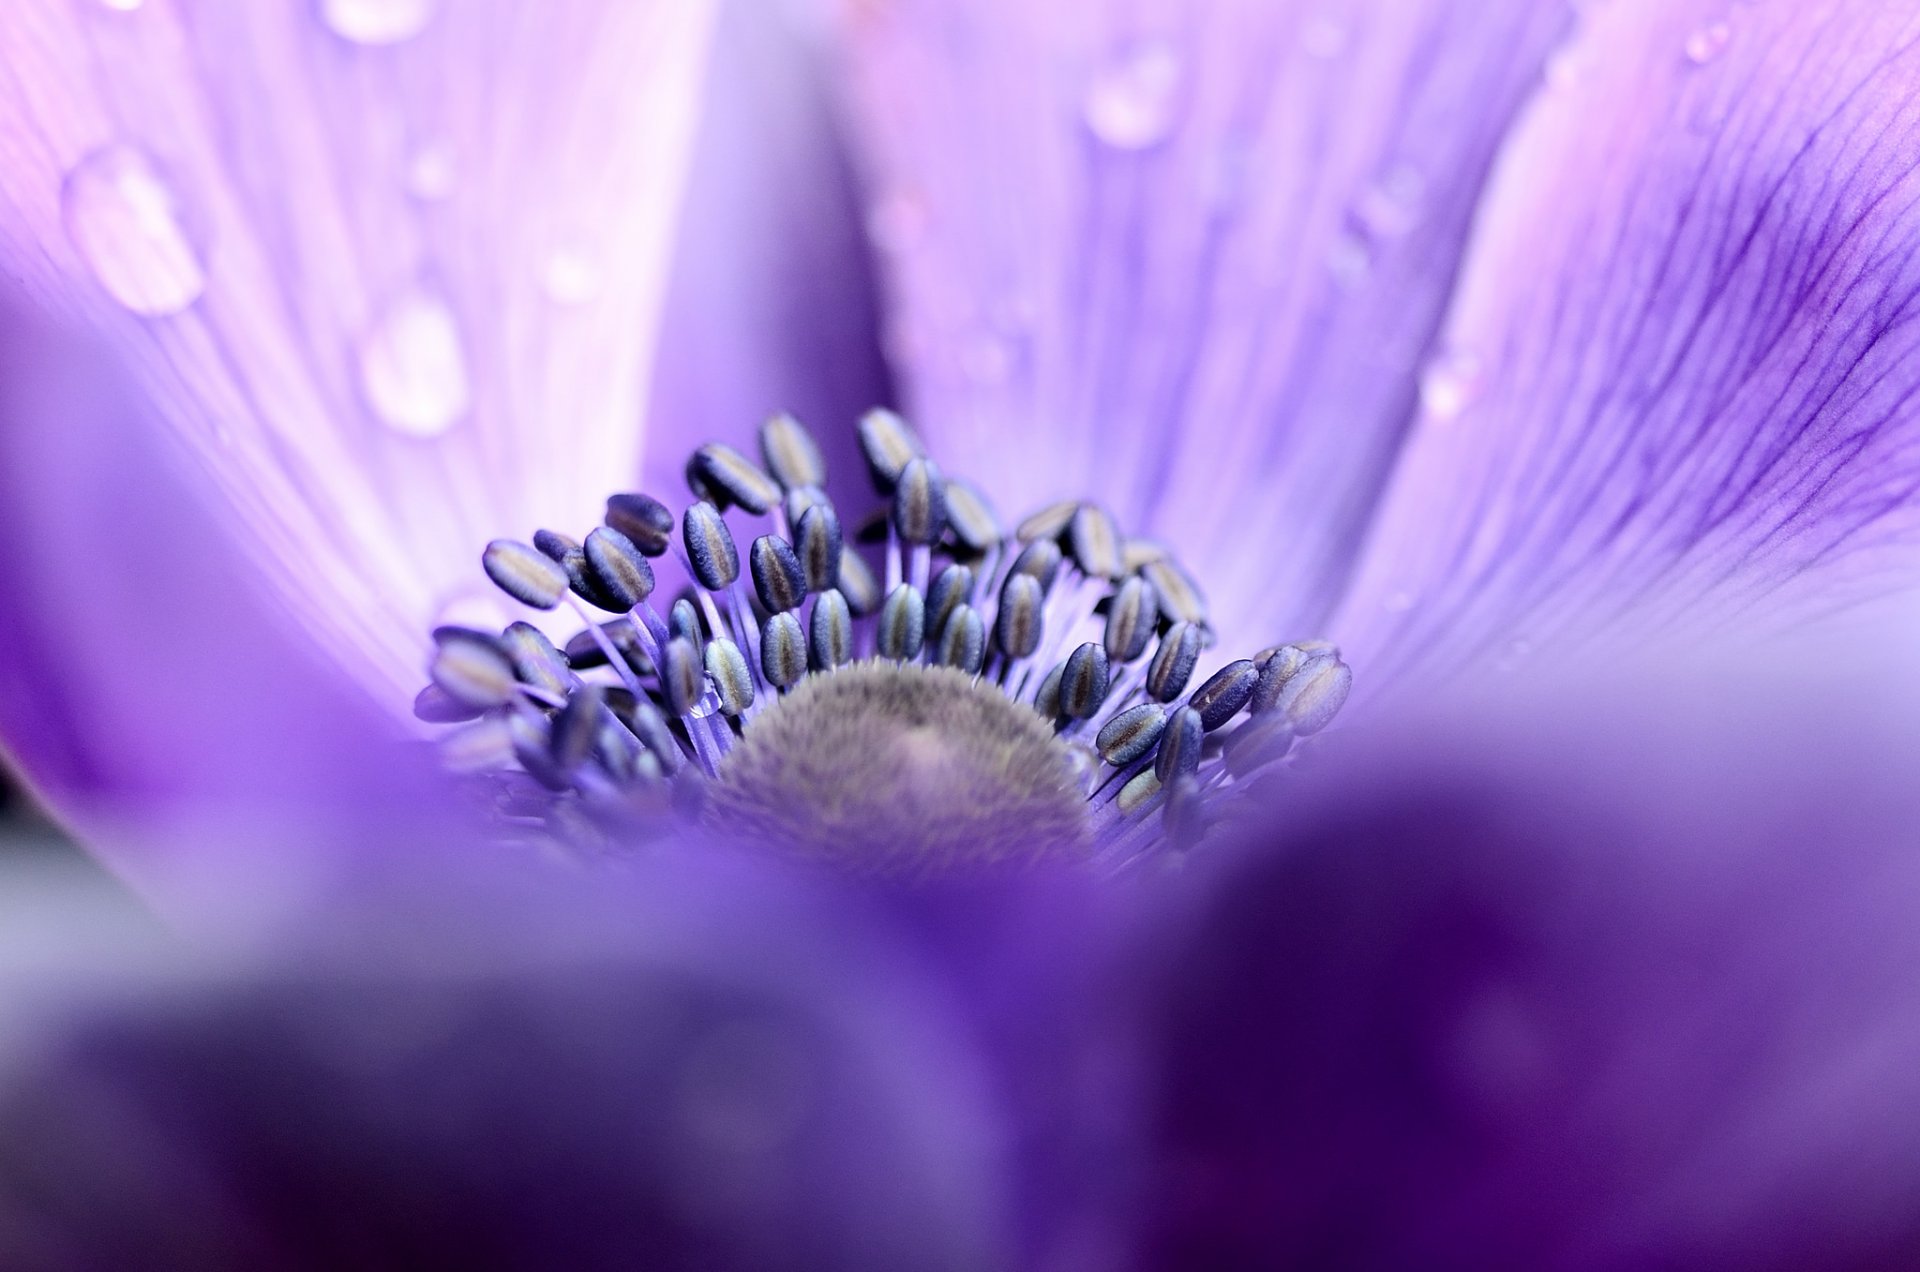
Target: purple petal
150, 691
1182, 259
772, 301
391, 269
1610, 981
1679, 376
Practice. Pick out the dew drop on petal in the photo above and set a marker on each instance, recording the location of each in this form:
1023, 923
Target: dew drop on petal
413, 367
1450, 383
569, 276
377, 21
431, 173
1130, 102
130, 225
1709, 42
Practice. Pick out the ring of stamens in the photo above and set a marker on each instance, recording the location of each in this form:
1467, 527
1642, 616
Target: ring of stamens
999, 698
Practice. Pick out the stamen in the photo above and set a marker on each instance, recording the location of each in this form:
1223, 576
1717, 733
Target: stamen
819, 710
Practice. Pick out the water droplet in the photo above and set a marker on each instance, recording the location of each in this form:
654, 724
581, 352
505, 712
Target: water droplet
377, 21
570, 276
1391, 206
133, 230
431, 172
1451, 383
413, 367
897, 220
1323, 39
1709, 42
1130, 102
1350, 260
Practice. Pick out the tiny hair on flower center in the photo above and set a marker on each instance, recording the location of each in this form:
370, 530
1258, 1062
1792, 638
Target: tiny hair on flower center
918, 692
906, 769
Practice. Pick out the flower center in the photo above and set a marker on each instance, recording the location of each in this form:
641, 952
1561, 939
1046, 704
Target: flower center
999, 699
906, 768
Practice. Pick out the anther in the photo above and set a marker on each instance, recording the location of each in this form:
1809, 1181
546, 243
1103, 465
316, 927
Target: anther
963, 641
645, 722
889, 444
1046, 699
948, 591
535, 661
723, 476
777, 577
1132, 616
682, 679
683, 621
1140, 788
1179, 595
1225, 692
473, 671
553, 545
584, 652
1172, 664
1016, 629
436, 706
1131, 734
1139, 552
577, 726
830, 631
1095, 540
585, 584
801, 498
1257, 743
524, 574
617, 566
971, 518
643, 519
1048, 523
732, 677
858, 584
533, 748
1083, 684
783, 651
792, 456
903, 623
1039, 560
919, 503
710, 550
817, 543
1315, 693
1180, 745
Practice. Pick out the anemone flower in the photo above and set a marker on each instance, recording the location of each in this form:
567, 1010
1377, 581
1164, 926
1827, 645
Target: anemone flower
360, 353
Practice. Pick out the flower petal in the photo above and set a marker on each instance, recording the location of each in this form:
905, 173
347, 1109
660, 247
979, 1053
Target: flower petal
1679, 376
772, 302
1598, 981
391, 268
153, 695
1183, 258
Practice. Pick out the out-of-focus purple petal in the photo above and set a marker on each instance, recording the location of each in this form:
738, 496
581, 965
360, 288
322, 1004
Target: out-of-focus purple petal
391, 270
672, 1071
1679, 375
1611, 981
1183, 258
772, 302
151, 692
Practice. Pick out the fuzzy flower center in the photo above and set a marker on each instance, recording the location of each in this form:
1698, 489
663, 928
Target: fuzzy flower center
983, 698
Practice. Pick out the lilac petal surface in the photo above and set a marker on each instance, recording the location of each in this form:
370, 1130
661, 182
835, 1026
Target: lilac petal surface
1679, 376
1606, 981
390, 269
153, 693
772, 301
674, 1070
1182, 258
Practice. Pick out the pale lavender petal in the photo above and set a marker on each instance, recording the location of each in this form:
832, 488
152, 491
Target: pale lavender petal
391, 268
1679, 377
159, 700
1183, 258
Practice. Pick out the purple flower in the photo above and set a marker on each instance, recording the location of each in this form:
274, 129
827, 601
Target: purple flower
1470, 337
